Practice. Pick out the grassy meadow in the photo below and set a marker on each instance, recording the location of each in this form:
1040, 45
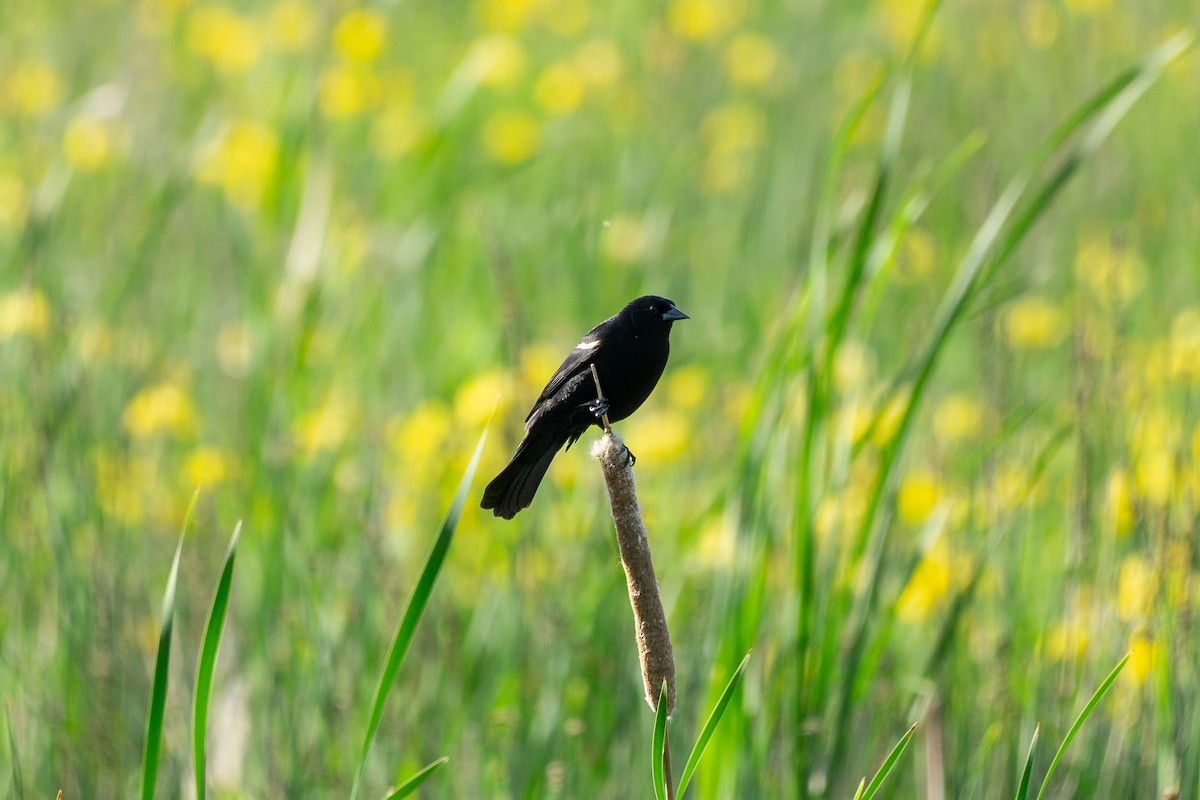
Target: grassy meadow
929, 446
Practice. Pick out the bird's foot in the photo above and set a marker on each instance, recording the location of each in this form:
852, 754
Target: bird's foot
598, 407
631, 459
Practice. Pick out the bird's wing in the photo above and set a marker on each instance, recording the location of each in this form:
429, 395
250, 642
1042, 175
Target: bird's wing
577, 362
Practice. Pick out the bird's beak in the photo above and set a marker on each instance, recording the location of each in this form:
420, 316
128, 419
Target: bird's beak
673, 314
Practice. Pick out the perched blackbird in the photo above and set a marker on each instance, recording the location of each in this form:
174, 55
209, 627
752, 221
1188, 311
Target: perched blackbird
629, 351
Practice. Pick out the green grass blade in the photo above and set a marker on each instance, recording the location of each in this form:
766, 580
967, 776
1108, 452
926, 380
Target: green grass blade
888, 764
658, 747
416, 607
1083, 715
1023, 786
17, 781
710, 725
162, 661
414, 783
862, 786
208, 662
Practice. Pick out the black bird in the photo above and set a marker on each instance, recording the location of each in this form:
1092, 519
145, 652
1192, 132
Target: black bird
629, 351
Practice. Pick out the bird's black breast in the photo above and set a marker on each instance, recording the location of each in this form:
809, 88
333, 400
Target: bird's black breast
629, 366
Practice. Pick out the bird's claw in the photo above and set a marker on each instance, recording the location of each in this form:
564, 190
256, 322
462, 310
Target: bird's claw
631, 459
598, 407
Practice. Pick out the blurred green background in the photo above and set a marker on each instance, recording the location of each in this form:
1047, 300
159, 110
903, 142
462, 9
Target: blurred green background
293, 253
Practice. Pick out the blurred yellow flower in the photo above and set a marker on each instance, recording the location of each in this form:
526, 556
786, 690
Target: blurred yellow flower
165, 407
241, 161
1144, 655
701, 19
31, 88
228, 40
420, 438
359, 35
1113, 274
687, 387
901, 19
1184, 345
599, 62
86, 143
346, 91
1067, 639
659, 436
496, 60
957, 417
398, 131
24, 312
936, 574
126, 487
751, 59
918, 495
566, 17
716, 545
1155, 473
325, 428
205, 466
852, 366
1039, 23
1118, 507
511, 137
624, 238
1136, 589
891, 417
93, 343
730, 133
506, 15
536, 365
234, 349
13, 201
292, 25
918, 254
482, 395
559, 89
1033, 323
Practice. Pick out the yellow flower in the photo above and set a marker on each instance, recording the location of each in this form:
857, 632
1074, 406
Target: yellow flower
1136, 589
420, 438
165, 407
205, 466
687, 388
536, 365
930, 583
86, 143
506, 15
566, 17
325, 428
496, 60
660, 436
901, 19
852, 366
890, 419
292, 25
1033, 323
511, 137
918, 495
599, 62
1039, 22
24, 312
1113, 274
1067, 639
559, 89
346, 91
13, 201
1118, 508
716, 545
751, 59
918, 254
1144, 655
701, 19
31, 88
730, 133
93, 343
228, 40
1155, 476
1184, 345
241, 161
398, 131
359, 35
624, 238
958, 417
479, 397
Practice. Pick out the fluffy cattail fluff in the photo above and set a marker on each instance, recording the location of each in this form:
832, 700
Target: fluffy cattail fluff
653, 638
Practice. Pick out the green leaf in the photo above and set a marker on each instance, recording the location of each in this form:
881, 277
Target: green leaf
1023, 787
888, 764
1083, 715
413, 783
658, 751
710, 725
17, 782
416, 607
208, 662
162, 661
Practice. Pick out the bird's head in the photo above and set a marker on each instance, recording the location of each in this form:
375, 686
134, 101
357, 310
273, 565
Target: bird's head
654, 312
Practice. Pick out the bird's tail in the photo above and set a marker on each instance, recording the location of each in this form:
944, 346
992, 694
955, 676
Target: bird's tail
513, 489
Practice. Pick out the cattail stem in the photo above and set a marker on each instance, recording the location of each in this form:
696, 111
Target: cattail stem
653, 637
